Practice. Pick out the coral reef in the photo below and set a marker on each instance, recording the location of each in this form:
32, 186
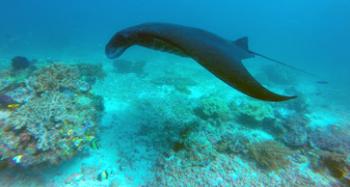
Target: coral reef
332, 163
229, 144
197, 150
295, 131
253, 112
228, 171
336, 164
270, 155
58, 77
54, 78
331, 138
299, 105
296, 138
51, 126
235, 139
213, 109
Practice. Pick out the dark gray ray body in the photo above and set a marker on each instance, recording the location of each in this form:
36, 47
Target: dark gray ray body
221, 57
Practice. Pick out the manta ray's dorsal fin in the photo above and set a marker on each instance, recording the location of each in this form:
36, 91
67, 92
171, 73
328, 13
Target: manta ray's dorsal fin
242, 42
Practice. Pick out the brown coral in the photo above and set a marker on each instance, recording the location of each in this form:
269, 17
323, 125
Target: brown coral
335, 163
270, 154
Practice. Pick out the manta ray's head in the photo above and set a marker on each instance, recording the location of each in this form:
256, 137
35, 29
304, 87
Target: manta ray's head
118, 44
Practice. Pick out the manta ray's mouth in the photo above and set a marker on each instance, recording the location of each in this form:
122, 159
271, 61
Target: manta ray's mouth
114, 52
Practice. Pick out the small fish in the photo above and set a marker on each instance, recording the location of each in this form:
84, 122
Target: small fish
77, 141
103, 175
66, 122
13, 106
17, 159
94, 144
322, 82
70, 132
90, 138
7, 102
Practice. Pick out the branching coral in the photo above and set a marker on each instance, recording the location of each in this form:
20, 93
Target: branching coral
58, 76
51, 107
270, 154
55, 77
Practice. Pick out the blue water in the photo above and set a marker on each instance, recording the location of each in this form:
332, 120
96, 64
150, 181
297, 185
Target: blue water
311, 35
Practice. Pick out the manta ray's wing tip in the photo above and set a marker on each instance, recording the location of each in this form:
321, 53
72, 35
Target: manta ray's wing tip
290, 97
279, 98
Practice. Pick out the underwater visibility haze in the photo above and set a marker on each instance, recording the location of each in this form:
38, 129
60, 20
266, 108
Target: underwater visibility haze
174, 93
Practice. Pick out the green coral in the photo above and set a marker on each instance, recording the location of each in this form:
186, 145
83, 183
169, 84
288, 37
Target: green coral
253, 111
213, 108
270, 155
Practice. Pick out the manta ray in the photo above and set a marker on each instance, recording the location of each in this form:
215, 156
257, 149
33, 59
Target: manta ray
221, 57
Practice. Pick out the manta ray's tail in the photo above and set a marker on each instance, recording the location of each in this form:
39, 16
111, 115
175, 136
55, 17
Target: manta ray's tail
283, 64
243, 43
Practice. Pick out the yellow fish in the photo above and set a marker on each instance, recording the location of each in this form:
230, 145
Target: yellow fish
94, 144
13, 106
90, 138
70, 132
103, 175
17, 159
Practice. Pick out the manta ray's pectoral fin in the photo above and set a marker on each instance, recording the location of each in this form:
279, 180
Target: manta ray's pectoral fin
239, 77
